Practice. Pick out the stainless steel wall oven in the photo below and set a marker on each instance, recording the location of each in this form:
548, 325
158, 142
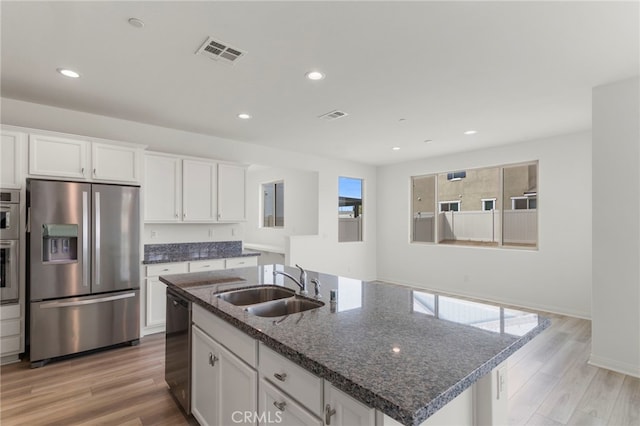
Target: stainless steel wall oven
9, 245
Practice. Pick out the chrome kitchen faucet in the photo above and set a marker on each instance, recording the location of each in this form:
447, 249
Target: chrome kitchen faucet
302, 283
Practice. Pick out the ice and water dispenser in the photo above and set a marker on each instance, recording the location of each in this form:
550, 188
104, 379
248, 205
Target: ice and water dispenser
59, 243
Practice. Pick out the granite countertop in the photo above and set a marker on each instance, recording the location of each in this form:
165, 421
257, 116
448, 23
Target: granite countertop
185, 252
401, 350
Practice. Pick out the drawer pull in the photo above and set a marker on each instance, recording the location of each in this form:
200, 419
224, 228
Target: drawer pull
282, 377
212, 359
328, 413
280, 405
165, 269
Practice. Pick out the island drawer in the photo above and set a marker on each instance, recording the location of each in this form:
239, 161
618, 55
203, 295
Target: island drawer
206, 265
292, 379
243, 346
166, 269
241, 262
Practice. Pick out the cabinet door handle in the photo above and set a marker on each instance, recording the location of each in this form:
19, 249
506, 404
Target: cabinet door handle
328, 412
177, 215
94, 172
280, 405
82, 171
212, 359
282, 377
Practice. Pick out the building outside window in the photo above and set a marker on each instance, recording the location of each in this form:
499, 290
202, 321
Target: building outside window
273, 204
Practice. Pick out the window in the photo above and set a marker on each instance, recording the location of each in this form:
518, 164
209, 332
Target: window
423, 205
273, 204
449, 206
349, 209
523, 203
490, 206
456, 175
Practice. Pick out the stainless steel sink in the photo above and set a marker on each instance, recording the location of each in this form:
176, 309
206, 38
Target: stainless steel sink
254, 295
278, 308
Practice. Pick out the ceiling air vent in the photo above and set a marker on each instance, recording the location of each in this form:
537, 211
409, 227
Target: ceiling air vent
219, 51
333, 115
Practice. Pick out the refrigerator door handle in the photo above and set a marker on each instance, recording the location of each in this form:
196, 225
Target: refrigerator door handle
96, 257
51, 305
85, 238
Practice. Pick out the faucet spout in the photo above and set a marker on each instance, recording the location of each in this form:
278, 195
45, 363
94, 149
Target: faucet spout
302, 282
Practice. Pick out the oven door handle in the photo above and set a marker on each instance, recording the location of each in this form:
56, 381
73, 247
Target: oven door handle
53, 305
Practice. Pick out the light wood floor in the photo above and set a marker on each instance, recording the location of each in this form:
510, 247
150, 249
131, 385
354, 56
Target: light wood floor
550, 383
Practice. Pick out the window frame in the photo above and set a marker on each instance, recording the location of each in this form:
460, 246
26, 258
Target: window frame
484, 200
275, 184
440, 203
501, 244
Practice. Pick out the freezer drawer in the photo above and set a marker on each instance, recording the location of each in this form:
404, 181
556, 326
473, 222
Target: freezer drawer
66, 326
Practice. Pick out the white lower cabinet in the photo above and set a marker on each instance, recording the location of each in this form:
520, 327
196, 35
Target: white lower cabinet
223, 386
155, 306
10, 333
343, 410
275, 406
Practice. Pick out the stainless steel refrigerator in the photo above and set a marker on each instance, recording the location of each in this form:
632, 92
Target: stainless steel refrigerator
83, 270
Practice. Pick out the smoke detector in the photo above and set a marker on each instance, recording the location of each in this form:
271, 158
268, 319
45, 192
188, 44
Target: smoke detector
333, 115
219, 51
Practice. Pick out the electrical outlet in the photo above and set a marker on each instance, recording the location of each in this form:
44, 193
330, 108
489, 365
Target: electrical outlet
154, 234
233, 231
211, 232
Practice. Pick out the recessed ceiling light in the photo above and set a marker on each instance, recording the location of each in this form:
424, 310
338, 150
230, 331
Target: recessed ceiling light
135, 22
68, 73
396, 148
244, 116
470, 132
315, 75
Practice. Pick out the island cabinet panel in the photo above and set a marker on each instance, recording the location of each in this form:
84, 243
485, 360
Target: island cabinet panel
292, 379
276, 407
224, 388
198, 191
342, 410
162, 188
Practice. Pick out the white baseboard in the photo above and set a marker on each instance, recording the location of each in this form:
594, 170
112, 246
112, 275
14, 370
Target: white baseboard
152, 330
614, 365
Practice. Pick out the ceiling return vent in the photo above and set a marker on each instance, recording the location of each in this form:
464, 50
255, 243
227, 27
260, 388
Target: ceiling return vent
333, 115
220, 51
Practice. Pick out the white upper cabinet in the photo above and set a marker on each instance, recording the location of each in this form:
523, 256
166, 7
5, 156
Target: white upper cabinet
58, 157
198, 191
64, 157
116, 163
162, 188
11, 150
231, 192
179, 189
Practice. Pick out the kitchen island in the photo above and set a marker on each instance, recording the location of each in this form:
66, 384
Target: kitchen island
402, 351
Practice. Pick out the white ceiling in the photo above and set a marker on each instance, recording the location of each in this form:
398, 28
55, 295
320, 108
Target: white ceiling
513, 71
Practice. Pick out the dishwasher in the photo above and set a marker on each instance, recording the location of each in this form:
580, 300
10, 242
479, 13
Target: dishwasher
177, 367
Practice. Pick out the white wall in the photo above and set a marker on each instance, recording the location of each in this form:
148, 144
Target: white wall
556, 277
325, 254
300, 205
616, 227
